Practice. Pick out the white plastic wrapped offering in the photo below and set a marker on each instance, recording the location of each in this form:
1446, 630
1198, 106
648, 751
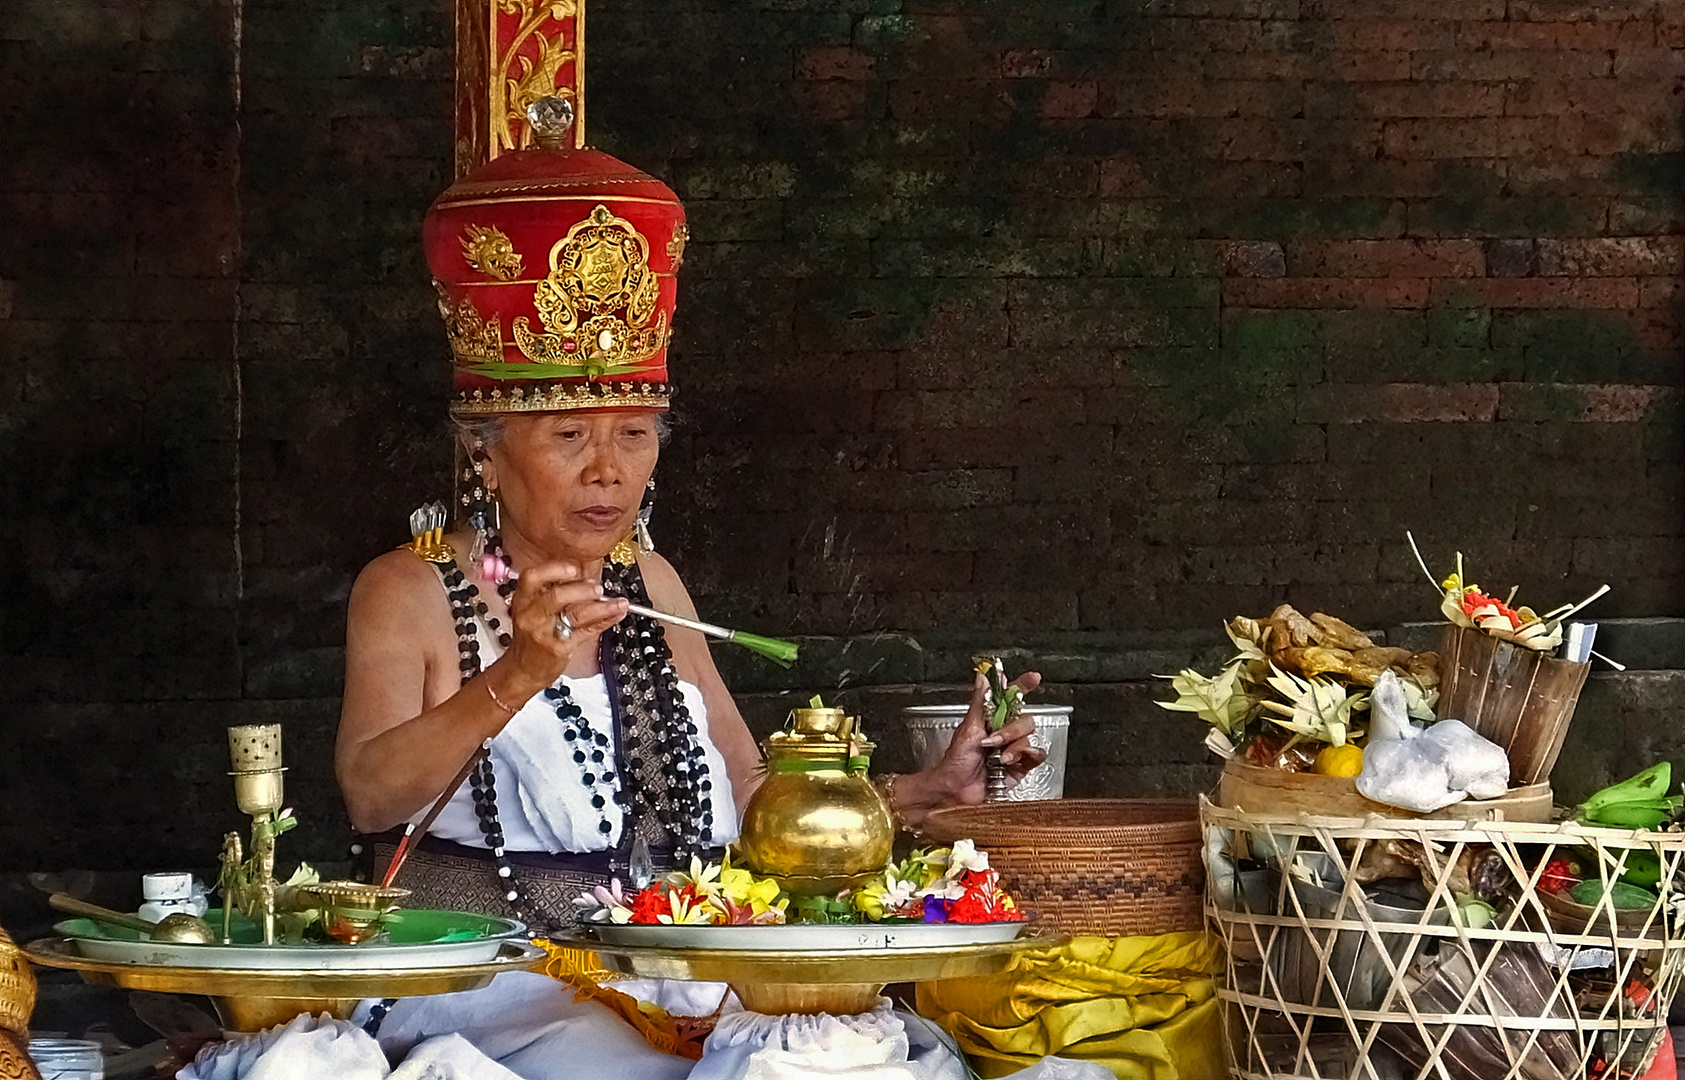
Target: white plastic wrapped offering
1425, 768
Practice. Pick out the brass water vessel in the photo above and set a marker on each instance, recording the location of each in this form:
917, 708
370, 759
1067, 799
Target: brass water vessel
817, 824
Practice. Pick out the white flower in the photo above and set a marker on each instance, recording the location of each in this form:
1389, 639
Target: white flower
609, 904
965, 856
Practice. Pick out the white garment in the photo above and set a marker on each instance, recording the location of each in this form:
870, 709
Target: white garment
531, 1025
526, 1026
325, 1047
542, 803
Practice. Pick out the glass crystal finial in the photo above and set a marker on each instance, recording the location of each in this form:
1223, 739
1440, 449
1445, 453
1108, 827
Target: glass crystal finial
550, 118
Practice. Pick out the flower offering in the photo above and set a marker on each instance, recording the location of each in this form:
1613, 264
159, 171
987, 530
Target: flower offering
938, 885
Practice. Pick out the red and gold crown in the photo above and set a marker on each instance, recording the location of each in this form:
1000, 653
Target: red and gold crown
555, 264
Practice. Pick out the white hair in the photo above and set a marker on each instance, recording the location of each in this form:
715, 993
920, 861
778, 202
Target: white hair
482, 431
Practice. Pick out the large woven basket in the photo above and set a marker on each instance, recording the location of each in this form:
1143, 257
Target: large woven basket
17, 988
1114, 867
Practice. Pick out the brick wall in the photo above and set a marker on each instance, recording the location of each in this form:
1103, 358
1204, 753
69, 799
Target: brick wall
1069, 325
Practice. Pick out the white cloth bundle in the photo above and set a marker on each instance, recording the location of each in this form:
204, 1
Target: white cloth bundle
879, 1045
1425, 769
324, 1047
526, 1026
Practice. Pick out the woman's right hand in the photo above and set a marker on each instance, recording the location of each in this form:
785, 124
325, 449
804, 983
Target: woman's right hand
537, 652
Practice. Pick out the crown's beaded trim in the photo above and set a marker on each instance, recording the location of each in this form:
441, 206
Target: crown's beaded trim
591, 395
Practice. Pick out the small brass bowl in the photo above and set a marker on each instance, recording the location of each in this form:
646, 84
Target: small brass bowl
353, 911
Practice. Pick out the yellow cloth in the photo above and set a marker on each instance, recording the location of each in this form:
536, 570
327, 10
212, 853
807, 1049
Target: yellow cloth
584, 971
1143, 1007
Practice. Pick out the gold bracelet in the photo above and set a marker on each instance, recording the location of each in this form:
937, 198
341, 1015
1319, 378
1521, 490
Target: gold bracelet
886, 787
485, 680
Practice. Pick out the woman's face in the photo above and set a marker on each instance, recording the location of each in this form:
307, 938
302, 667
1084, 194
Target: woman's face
570, 482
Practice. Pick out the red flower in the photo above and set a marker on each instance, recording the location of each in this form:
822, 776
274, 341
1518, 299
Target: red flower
649, 904
973, 907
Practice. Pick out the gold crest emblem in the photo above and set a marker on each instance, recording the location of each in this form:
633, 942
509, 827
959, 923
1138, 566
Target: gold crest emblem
492, 253
597, 300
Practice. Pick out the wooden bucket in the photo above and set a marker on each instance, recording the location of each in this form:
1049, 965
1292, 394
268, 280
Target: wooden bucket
1518, 698
1259, 790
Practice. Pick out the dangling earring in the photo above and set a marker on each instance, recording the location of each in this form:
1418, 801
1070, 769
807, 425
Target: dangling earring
646, 543
478, 510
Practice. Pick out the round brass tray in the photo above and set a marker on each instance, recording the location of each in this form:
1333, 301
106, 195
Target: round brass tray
842, 982
251, 1000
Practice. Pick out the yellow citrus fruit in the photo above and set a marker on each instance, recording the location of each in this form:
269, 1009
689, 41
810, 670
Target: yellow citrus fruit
1344, 760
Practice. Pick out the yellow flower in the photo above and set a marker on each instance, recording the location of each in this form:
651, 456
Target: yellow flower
743, 888
687, 912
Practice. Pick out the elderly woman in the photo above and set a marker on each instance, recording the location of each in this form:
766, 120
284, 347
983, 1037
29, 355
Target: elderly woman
544, 681
594, 741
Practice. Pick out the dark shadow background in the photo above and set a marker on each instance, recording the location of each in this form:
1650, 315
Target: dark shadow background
1059, 325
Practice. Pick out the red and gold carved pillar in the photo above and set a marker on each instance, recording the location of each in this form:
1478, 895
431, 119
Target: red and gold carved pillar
508, 54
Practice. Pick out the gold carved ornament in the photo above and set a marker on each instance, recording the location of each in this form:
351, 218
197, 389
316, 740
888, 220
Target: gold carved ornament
676, 246
510, 94
597, 302
475, 342
490, 251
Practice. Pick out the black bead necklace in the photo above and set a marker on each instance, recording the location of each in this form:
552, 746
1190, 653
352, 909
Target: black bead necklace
644, 685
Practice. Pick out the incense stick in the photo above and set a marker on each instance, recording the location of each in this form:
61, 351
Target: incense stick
782, 652
415, 829
779, 652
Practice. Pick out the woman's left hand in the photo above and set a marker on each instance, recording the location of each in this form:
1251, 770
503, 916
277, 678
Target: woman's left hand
961, 777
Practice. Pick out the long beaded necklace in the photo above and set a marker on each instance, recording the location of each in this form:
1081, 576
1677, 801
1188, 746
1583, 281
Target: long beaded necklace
672, 796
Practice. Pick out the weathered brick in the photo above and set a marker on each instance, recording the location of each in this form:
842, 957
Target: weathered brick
1406, 99
1539, 292
1615, 256
1542, 402
1253, 259
1512, 64
835, 62
1387, 258
1343, 292
1574, 36
1512, 258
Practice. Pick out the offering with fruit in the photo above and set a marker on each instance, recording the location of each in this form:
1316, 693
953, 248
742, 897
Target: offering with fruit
1296, 694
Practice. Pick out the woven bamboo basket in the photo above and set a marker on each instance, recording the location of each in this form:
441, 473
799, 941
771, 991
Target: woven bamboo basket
1335, 973
1113, 867
17, 988
1519, 698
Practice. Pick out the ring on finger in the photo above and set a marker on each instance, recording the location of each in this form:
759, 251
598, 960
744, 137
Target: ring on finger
564, 626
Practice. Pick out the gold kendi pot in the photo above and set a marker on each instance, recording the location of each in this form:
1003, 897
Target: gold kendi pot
817, 824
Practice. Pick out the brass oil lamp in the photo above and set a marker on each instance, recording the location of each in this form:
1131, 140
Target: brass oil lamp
254, 750
817, 824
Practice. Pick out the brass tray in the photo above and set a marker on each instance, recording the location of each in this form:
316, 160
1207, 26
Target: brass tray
251, 1000
839, 981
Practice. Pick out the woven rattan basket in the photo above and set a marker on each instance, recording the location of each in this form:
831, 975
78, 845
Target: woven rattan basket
17, 988
1114, 867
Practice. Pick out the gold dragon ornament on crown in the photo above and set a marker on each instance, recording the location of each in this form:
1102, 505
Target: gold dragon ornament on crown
597, 301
